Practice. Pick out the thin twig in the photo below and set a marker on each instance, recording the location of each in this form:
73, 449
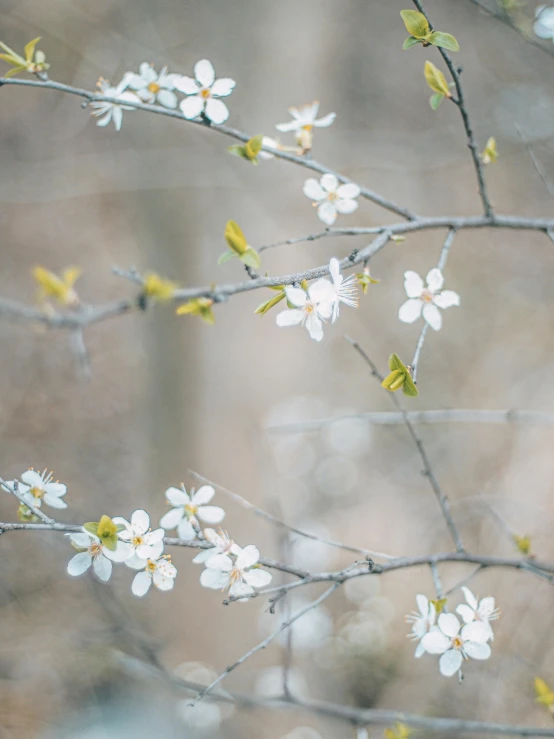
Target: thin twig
460, 102
427, 469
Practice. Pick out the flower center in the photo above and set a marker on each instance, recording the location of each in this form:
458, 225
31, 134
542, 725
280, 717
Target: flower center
234, 576
427, 296
37, 492
153, 87
151, 566
457, 643
138, 541
205, 92
191, 510
332, 196
309, 308
95, 550
307, 127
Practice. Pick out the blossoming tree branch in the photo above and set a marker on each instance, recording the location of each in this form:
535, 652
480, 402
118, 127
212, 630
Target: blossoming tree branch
455, 629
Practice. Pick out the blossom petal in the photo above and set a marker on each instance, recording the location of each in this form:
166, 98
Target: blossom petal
153, 537
289, 317
321, 291
81, 540
141, 584
185, 530
286, 127
446, 299
239, 589
248, 557
54, 502
435, 642
223, 87
140, 521
334, 270
450, 662
203, 495
477, 650
422, 604
257, 578
204, 72
449, 624
214, 579
476, 631
327, 213
56, 489
79, 564
33, 479
467, 613
487, 607
147, 72
420, 650
176, 496
432, 315
410, 311
413, 284
217, 111
186, 85
220, 562
163, 582
117, 115
122, 552
471, 600
192, 106
172, 518
435, 280
296, 295
135, 562
346, 206
102, 568
205, 555
348, 191
327, 120
150, 551
315, 327
211, 514
329, 183
313, 190
168, 99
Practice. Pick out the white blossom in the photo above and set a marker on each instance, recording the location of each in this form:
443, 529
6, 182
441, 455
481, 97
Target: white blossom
222, 544
152, 87
426, 300
96, 554
310, 308
544, 22
36, 487
204, 92
304, 119
455, 645
146, 544
345, 290
105, 111
331, 198
159, 571
422, 622
483, 610
189, 509
239, 577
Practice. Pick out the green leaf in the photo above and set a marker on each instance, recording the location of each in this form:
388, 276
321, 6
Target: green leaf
396, 379
264, 307
226, 256
251, 258
30, 49
410, 41
415, 22
446, 40
409, 387
237, 151
253, 146
436, 79
91, 527
235, 238
435, 100
395, 363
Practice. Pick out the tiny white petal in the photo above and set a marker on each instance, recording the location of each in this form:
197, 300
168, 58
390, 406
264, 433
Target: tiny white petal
410, 311
203, 495
346, 206
435, 280
447, 299
204, 72
217, 111
413, 284
449, 624
348, 191
450, 662
191, 107
290, 317
327, 213
329, 183
211, 514
141, 584
313, 190
102, 568
223, 87
432, 315
79, 564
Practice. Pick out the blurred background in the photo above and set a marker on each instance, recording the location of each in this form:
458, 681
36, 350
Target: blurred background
169, 393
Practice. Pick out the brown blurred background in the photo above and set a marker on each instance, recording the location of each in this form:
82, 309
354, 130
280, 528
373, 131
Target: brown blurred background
168, 394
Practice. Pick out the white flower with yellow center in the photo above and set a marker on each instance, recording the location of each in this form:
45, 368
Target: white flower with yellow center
106, 111
222, 544
345, 290
92, 552
159, 571
152, 87
188, 510
455, 645
146, 544
331, 198
310, 308
203, 93
304, 120
240, 576
422, 622
426, 299
483, 610
38, 486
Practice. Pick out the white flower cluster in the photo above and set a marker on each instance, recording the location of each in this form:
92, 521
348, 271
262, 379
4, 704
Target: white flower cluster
137, 546
35, 487
228, 566
203, 93
426, 299
319, 302
455, 641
